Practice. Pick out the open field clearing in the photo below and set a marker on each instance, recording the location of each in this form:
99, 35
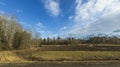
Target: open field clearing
82, 47
69, 55
60, 58
35, 55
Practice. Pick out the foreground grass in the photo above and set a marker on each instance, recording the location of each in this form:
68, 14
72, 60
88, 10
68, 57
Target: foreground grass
69, 55
9, 56
35, 55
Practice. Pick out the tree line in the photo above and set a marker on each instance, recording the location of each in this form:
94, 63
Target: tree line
76, 41
14, 36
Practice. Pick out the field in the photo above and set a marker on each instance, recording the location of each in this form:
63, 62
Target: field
80, 48
63, 53
72, 54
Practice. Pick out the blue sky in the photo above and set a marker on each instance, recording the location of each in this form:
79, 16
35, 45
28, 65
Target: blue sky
65, 17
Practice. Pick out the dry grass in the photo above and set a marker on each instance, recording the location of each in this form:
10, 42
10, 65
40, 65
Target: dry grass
76, 55
9, 56
83, 47
37, 55
69, 55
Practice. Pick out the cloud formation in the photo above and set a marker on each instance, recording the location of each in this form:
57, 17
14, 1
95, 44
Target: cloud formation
40, 27
39, 24
96, 16
52, 7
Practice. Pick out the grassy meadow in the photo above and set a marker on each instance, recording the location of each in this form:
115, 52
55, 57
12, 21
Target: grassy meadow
36, 55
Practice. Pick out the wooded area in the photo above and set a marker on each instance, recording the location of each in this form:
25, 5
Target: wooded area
13, 36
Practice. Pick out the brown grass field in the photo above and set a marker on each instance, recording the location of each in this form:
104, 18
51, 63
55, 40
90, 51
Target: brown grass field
80, 48
63, 54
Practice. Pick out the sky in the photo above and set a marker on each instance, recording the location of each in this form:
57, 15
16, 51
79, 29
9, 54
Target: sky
76, 18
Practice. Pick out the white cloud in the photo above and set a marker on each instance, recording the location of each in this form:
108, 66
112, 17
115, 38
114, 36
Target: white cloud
26, 25
96, 16
106, 24
52, 7
39, 24
40, 28
64, 28
70, 17
19, 11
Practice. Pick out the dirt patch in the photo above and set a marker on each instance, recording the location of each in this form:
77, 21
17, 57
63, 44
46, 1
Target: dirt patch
62, 64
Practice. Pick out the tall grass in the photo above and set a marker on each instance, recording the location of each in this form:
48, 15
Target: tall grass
69, 55
35, 55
